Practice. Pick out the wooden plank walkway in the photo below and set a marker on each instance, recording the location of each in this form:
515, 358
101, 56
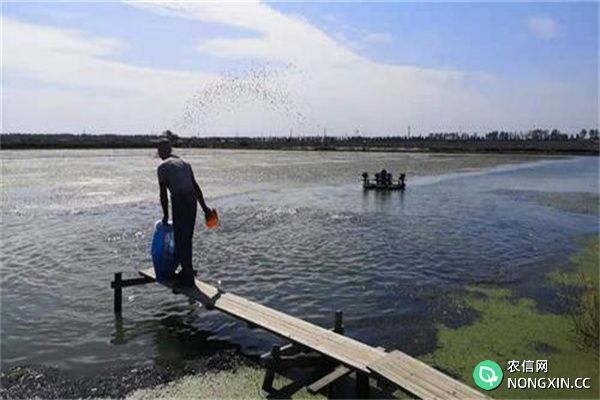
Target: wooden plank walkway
348, 351
399, 368
420, 379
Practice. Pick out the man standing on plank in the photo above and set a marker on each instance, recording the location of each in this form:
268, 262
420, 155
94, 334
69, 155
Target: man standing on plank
176, 175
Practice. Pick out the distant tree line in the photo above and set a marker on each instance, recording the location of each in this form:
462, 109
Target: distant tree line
536, 140
534, 134
68, 140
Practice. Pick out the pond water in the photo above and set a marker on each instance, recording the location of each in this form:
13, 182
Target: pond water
298, 234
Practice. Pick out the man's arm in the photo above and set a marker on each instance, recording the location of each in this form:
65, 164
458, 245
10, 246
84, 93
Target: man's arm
199, 196
164, 202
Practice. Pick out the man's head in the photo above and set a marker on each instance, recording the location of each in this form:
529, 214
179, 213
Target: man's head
164, 149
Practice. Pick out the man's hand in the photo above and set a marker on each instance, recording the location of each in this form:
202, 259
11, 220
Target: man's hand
164, 202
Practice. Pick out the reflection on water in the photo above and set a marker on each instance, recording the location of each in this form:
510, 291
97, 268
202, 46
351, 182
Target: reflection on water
300, 236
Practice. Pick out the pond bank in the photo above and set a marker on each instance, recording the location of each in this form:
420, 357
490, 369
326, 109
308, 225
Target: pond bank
24, 382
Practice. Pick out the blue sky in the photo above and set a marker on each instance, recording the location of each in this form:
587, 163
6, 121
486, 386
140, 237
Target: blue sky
470, 36
448, 59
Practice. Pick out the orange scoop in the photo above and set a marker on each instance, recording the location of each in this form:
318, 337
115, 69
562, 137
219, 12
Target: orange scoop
212, 219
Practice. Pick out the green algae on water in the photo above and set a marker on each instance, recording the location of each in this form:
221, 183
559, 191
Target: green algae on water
510, 328
244, 382
584, 261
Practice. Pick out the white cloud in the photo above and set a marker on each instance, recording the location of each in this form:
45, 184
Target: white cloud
72, 70
543, 27
329, 17
360, 39
377, 37
65, 80
335, 87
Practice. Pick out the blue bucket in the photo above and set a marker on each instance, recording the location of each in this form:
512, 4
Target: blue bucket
163, 251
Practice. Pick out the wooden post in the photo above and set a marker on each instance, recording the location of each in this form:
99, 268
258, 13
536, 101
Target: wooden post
267, 385
362, 385
338, 324
119, 283
118, 292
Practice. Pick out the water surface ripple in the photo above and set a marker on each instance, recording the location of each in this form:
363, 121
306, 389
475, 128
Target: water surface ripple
298, 234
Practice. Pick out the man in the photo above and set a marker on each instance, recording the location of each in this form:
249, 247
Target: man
176, 175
